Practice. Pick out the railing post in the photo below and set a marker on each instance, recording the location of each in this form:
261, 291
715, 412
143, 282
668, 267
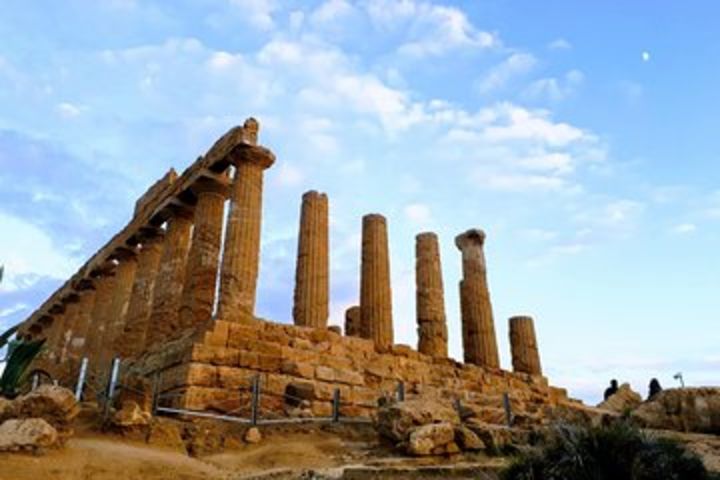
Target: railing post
112, 384
81, 379
508, 410
336, 406
401, 391
155, 392
255, 400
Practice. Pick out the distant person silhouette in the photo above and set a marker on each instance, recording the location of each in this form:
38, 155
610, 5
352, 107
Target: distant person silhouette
654, 388
611, 390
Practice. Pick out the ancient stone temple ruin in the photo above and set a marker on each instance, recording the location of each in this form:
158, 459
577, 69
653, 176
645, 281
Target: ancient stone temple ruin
174, 301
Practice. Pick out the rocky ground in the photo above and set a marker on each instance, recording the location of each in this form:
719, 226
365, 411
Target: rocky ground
47, 435
309, 451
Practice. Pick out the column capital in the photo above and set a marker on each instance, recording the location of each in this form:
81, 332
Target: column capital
374, 217
71, 297
107, 268
211, 186
124, 253
85, 284
149, 235
312, 194
474, 237
252, 154
57, 309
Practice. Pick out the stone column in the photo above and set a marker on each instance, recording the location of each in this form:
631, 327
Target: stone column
312, 289
167, 295
115, 323
83, 319
353, 325
479, 342
198, 295
104, 289
132, 340
375, 291
53, 344
72, 308
523, 345
241, 255
430, 299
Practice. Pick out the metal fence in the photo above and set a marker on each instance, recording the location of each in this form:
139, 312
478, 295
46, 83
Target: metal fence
104, 387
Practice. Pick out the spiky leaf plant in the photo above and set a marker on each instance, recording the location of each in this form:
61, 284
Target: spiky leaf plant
615, 452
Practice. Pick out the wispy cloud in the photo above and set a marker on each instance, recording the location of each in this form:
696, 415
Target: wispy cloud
515, 65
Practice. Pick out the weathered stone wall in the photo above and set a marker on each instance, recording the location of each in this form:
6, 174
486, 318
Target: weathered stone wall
215, 370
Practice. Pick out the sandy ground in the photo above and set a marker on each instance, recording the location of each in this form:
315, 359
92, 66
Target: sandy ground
102, 458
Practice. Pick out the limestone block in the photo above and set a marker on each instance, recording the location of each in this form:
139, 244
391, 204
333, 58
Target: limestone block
353, 323
26, 434
297, 369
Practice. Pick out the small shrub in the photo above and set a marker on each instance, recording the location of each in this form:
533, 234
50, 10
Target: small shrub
615, 452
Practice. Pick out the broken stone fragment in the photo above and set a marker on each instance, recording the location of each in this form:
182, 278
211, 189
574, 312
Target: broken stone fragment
26, 434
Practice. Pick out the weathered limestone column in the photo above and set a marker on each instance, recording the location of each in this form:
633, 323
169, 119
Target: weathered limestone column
104, 289
430, 298
479, 342
375, 291
72, 308
132, 340
523, 345
241, 255
115, 323
83, 318
198, 295
353, 324
312, 288
167, 295
53, 344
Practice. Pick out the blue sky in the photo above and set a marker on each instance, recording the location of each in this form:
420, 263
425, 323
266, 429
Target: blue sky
580, 136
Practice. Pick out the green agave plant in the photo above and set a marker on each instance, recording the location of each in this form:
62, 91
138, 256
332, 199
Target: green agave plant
20, 355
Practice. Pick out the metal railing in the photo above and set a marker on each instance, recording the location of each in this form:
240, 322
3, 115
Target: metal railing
106, 388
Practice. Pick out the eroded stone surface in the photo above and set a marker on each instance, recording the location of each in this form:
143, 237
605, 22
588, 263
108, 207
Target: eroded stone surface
430, 298
479, 341
523, 346
241, 257
27, 433
375, 291
312, 287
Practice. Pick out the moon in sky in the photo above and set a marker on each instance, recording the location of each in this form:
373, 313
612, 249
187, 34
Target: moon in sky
645, 56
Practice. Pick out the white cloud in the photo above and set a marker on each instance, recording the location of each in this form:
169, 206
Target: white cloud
684, 228
434, 29
25, 266
559, 44
68, 110
418, 213
331, 10
498, 77
6, 312
555, 89
520, 182
259, 13
289, 175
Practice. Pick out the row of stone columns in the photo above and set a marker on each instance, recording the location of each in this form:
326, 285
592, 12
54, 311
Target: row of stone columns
372, 319
166, 283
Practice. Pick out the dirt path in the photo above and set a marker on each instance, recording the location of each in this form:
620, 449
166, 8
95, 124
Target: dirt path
99, 458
